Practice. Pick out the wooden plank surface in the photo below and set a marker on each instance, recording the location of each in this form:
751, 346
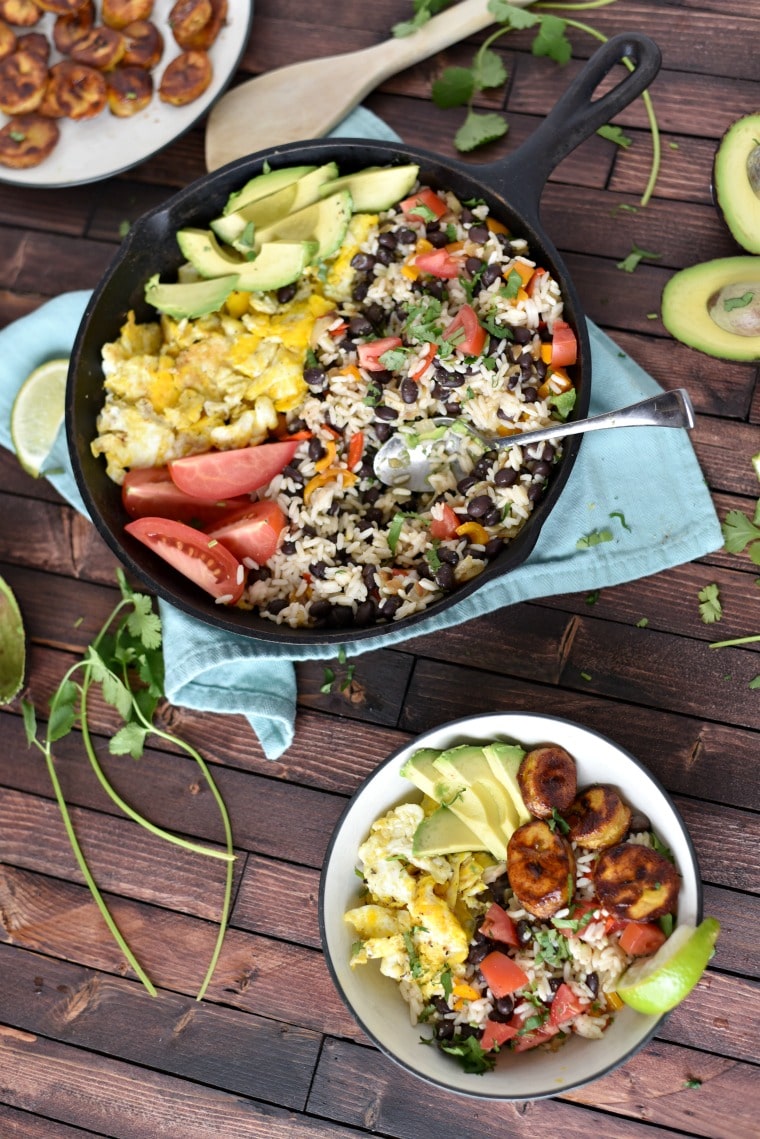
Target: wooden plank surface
272, 1051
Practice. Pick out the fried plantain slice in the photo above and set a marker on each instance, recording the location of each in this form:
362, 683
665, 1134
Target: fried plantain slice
188, 17
60, 7
541, 869
205, 36
636, 882
597, 817
75, 91
35, 42
547, 780
27, 140
185, 78
119, 13
7, 39
20, 13
23, 78
144, 44
129, 89
101, 48
68, 30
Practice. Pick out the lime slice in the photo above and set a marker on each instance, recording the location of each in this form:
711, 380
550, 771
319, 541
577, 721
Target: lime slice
658, 983
12, 645
37, 414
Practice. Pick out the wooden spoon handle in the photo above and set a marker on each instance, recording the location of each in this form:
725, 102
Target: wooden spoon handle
306, 100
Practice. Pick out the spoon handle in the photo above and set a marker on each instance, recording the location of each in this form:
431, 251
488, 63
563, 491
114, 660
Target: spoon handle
667, 409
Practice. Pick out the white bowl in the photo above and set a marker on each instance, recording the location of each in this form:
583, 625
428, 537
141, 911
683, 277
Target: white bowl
374, 999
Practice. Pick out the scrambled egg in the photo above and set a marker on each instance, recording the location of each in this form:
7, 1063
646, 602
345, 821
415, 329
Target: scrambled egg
180, 387
418, 917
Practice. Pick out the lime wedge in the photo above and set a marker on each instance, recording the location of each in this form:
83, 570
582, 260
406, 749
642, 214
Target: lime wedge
658, 983
37, 414
12, 645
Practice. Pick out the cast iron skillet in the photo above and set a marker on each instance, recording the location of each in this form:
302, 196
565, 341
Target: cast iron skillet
512, 187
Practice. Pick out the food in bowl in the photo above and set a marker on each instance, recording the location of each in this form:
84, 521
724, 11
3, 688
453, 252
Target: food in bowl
328, 328
507, 927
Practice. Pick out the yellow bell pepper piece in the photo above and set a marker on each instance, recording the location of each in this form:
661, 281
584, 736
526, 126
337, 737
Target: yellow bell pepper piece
477, 534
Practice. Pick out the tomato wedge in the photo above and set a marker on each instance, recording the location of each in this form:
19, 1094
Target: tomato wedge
150, 492
210, 565
252, 532
495, 1034
641, 939
438, 263
223, 474
502, 975
564, 345
466, 332
422, 204
565, 1005
444, 522
533, 1039
369, 354
497, 924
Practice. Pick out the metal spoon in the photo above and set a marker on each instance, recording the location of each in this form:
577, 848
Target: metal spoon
398, 463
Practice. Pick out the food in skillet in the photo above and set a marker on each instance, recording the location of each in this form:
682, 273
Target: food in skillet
505, 931
370, 304
89, 57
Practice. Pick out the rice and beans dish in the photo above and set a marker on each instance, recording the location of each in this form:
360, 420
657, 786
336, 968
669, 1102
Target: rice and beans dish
427, 308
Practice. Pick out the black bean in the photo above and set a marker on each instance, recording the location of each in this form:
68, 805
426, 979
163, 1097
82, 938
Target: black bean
285, 294
294, 474
382, 411
437, 238
436, 289
382, 376
524, 932
263, 573
490, 274
341, 616
360, 326
276, 605
288, 547
373, 516
478, 233
592, 983
444, 1029
639, 822
522, 335
554, 984
445, 554
364, 262
365, 613
478, 951
502, 1009
384, 256
388, 239
483, 466
505, 477
467, 217
535, 490
493, 517
368, 576
450, 380
530, 395
473, 265
375, 313
371, 495
541, 369
479, 506
316, 450
444, 576
360, 289
409, 390
315, 377
466, 484
383, 432
318, 570
547, 454
319, 610
390, 606
452, 409
541, 468
406, 236
493, 547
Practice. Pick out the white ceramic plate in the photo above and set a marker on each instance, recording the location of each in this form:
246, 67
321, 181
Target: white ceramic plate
375, 1000
106, 145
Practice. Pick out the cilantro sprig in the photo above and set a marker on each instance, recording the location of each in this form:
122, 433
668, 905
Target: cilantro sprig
125, 662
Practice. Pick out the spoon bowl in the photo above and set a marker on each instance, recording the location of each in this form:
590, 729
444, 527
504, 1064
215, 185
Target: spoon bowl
421, 448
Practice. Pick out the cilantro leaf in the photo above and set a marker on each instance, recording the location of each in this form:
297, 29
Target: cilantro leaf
630, 263
614, 134
551, 40
738, 532
478, 129
488, 69
710, 608
470, 1054
129, 740
454, 87
506, 13
595, 538
731, 303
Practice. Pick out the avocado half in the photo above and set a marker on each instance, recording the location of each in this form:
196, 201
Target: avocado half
736, 181
715, 308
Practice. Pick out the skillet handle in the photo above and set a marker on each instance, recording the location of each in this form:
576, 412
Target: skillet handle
522, 176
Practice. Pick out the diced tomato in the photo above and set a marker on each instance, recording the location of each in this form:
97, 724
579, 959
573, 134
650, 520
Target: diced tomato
466, 332
253, 532
495, 1034
369, 354
641, 939
498, 925
565, 1005
150, 492
444, 523
502, 975
221, 474
211, 566
564, 345
355, 450
438, 263
429, 200
533, 1039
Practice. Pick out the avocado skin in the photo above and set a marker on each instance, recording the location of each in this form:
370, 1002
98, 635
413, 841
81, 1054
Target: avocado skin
735, 197
686, 302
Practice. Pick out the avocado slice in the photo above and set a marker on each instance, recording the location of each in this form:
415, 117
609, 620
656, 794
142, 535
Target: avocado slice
267, 210
443, 833
375, 188
420, 770
325, 222
504, 761
265, 184
468, 762
715, 308
736, 181
277, 263
189, 298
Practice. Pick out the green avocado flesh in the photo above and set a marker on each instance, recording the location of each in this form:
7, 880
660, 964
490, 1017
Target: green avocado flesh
12, 645
736, 181
715, 308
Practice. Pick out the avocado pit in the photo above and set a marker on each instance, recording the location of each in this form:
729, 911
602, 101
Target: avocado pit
736, 308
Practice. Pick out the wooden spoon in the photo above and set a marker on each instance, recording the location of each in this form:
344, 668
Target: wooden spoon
306, 100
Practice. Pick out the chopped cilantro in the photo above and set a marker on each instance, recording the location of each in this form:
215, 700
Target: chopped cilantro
730, 303
740, 532
666, 924
563, 403
513, 285
621, 518
556, 822
595, 538
415, 965
661, 848
447, 983
710, 608
642, 622
593, 597
754, 683
327, 680
470, 1054
630, 263
692, 1083
614, 134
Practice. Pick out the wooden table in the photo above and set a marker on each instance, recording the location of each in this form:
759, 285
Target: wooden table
272, 1051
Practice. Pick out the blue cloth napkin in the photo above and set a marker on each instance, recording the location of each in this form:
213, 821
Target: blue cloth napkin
643, 485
